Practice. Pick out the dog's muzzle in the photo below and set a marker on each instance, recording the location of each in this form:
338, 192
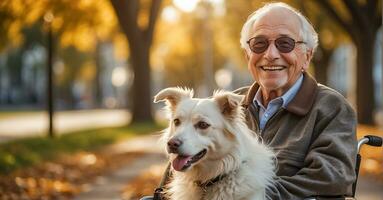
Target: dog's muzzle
173, 145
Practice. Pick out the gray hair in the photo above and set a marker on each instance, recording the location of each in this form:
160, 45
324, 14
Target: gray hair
307, 32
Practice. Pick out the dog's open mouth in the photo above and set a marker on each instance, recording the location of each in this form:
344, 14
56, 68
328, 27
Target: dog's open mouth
182, 162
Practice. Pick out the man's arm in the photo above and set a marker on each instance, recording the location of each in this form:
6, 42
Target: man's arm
329, 166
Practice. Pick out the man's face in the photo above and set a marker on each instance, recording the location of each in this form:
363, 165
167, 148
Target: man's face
272, 70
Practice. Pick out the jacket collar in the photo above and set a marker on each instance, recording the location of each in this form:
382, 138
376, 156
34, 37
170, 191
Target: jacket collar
300, 104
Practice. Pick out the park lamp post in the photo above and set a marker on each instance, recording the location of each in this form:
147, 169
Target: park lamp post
48, 18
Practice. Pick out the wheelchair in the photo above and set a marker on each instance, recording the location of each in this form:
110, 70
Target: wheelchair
369, 140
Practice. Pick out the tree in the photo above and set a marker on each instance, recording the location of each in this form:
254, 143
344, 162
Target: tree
361, 21
77, 27
140, 40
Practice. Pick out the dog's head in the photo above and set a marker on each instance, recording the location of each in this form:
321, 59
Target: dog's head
197, 130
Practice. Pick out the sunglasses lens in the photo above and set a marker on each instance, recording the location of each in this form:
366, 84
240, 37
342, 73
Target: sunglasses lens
285, 44
258, 44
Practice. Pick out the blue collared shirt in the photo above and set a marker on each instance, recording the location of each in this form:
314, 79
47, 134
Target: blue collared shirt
266, 113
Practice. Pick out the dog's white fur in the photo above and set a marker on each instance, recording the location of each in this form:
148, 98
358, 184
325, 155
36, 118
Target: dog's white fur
232, 148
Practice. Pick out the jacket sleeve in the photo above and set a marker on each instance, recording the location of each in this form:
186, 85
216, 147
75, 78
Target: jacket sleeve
329, 166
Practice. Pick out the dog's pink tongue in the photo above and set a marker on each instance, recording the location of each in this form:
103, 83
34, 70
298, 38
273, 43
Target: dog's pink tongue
179, 162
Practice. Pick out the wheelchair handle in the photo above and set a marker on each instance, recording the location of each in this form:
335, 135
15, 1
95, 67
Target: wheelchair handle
371, 140
374, 140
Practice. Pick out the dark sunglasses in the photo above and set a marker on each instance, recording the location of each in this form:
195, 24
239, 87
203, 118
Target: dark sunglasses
284, 44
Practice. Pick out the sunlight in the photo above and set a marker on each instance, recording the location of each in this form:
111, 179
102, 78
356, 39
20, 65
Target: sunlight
170, 14
186, 6
119, 76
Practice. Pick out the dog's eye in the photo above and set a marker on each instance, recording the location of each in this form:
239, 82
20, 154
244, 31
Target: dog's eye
176, 122
202, 125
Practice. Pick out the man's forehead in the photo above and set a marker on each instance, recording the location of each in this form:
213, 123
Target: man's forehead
278, 20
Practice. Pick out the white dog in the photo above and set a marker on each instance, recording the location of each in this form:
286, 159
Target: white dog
213, 153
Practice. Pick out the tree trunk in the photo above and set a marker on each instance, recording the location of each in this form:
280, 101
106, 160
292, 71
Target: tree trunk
141, 84
321, 61
365, 84
140, 40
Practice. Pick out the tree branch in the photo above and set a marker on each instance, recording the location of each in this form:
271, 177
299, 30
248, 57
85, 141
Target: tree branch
371, 6
127, 13
359, 14
346, 26
153, 15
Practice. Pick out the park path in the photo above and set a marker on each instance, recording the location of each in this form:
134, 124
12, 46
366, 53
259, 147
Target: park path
36, 123
111, 186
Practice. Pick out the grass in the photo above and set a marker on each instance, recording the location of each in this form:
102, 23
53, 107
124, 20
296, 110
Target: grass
29, 151
9, 114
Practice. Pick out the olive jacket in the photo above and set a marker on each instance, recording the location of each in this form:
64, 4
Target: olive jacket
314, 139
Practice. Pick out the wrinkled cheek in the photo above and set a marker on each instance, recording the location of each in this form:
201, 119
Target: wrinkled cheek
252, 71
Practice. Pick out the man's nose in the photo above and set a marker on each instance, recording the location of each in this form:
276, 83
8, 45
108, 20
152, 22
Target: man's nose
271, 52
173, 145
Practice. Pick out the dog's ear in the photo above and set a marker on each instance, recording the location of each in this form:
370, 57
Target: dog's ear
173, 95
228, 102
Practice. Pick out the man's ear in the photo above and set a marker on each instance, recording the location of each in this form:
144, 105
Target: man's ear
228, 102
308, 57
173, 95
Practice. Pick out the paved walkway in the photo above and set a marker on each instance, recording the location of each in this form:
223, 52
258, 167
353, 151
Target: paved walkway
33, 124
111, 185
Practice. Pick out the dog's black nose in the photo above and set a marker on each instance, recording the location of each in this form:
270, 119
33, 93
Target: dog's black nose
173, 145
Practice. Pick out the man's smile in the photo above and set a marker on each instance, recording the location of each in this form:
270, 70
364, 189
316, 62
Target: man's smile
273, 68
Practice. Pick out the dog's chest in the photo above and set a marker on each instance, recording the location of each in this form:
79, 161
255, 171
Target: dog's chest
228, 188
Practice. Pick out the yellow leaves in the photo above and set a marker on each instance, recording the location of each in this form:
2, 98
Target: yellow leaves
107, 20
17, 7
120, 46
57, 23
83, 38
88, 71
39, 9
14, 33
327, 38
88, 159
84, 4
34, 187
101, 25
77, 23
142, 20
63, 178
372, 166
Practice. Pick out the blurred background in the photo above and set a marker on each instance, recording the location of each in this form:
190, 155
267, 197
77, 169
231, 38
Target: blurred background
81, 66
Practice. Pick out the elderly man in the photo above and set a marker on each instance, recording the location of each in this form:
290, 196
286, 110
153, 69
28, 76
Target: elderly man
310, 126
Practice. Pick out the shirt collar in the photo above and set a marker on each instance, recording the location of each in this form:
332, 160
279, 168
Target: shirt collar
285, 98
299, 105
290, 94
